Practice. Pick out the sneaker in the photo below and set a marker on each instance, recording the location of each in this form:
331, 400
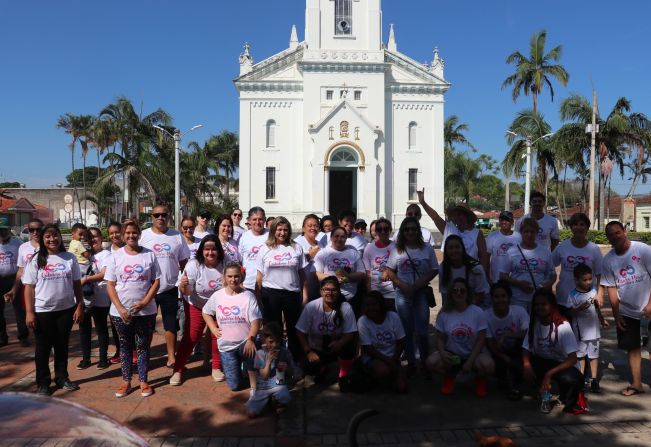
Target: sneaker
115, 359
594, 386
480, 387
576, 409
68, 385
146, 390
24, 342
83, 364
175, 380
218, 375
448, 384
103, 364
43, 390
123, 390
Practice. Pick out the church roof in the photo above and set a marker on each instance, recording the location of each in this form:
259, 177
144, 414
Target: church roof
414, 67
274, 63
332, 112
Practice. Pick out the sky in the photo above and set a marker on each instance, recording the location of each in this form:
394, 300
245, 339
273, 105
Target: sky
77, 56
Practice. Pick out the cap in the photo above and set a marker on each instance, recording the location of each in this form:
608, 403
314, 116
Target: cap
205, 213
4, 222
506, 215
360, 223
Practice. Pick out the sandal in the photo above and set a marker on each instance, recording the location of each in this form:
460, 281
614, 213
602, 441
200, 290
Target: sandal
515, 394
631, 391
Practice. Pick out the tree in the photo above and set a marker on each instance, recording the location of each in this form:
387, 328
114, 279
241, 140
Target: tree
76, 176
225, 150
533, 73
9, 184
453, 133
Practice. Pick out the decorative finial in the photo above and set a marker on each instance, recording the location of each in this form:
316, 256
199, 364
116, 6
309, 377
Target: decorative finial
392, 45
293, 38
438, 64
246, 61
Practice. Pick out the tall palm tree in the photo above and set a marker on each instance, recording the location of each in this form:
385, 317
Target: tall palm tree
199, 175
528, 122
224, 149
532, 74
454, 132
103, 138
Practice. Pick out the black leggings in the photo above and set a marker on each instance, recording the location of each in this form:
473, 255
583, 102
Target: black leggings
570, 381
277, 303
52, 331
348, 352
98, 315
6, 283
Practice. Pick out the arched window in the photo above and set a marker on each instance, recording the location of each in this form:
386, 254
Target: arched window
343, 17
412, 134
271, 133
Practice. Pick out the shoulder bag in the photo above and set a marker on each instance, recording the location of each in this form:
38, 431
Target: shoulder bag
429, 292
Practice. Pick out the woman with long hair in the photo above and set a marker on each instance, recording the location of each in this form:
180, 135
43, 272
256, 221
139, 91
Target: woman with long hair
96, 301
133, 279
326, 225
411, 267
115, 238
375, 258
549, 354
460, 338
280, 282
53, 302
326, 331
188, 224
250, 245
200, 279
224, 230
459, 264
311, 246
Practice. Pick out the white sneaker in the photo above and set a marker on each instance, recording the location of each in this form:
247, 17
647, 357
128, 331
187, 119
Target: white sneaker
218, 375
176, 380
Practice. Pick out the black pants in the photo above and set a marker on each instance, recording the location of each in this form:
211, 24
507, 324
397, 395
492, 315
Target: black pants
6, 283
277, 304
513, 370
97, 315
348, 352
52, 331
570, 381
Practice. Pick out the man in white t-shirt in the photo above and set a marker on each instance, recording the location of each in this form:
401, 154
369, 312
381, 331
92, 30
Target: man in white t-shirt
626, 274
236, 217
347, 222
413, 210
202, 229
548, 232
499, 242
172, 253
9, 248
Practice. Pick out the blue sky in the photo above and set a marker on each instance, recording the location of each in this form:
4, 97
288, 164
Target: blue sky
77, 56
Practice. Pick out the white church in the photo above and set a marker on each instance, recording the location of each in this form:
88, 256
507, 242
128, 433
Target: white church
341, 120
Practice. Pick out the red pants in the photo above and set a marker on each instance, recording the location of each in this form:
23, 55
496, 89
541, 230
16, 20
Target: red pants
192, 334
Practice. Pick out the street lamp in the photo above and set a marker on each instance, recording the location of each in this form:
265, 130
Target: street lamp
527, 186
177, 167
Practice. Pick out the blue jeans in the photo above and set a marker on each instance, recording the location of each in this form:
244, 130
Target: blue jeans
414, 315
232, 362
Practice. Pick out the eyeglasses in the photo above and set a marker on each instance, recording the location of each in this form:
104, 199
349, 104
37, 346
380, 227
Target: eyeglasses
324, 290
159, 215
410, 230
458, 290
236, 214
382, 229
187, 228
205, 216
33, 230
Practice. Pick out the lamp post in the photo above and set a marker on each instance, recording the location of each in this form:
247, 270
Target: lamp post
177, 167
527, 174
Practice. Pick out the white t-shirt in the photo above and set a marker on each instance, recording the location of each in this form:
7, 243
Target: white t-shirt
461, 329
238, 232
427, 236
54, 282
280, 266
357, 241
234, 315
469, 238
231, 252
9, 257
630, 274
26, 252
375, 261
548, 229
548, 346
170, 249
193, 247
100, 294
516, 321
585, 323
568, 256
205, 281
133, 275
497, 245
315, 323
249, 246
382, 337
330, 260
423, 259
201, 234
310, 269
476, 281
540, 264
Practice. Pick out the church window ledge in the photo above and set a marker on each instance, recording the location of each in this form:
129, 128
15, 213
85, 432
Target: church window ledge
271, 201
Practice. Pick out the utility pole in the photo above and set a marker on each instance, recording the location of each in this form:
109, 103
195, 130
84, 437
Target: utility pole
592, 128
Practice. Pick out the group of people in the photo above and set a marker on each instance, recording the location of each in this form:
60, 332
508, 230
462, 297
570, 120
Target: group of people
277, 307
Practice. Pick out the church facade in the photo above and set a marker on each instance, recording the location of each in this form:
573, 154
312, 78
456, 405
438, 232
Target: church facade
340, 120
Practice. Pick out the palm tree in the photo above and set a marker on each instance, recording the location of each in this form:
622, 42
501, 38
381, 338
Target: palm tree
533, 73
103, 137
453, 132
531, 124
199, 175
224, 149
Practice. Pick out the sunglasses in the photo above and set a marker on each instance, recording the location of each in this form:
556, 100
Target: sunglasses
236, 215
34, 230
458, 290
205, 216
158, 215
187, 228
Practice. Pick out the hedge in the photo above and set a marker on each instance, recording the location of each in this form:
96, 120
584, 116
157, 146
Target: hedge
599, 237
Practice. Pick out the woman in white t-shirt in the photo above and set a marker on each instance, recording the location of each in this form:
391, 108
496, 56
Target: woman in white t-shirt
460, 338
97, 303
376, 255
411, 267
326, 331
115, 238
572, 252
133, 278
224, 230
383, 340
280, 282
529, 266
549, 353
200, 279
250, 245
459, 264
311, 246
326, 225
188, 224
53, 302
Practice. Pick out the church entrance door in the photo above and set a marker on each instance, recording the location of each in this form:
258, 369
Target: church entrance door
342, 183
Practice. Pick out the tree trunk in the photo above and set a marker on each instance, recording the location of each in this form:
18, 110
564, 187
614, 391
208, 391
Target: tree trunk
74, 183
83, 181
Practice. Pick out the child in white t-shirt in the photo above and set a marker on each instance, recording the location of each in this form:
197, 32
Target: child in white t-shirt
586, 319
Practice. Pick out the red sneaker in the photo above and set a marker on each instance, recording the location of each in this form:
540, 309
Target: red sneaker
448, 384
480, 387
134, 358
115, 359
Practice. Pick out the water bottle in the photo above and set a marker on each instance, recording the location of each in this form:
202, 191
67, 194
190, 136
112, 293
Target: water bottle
546, 402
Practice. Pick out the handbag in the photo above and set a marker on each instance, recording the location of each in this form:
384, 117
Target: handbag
429, 292
526, 262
